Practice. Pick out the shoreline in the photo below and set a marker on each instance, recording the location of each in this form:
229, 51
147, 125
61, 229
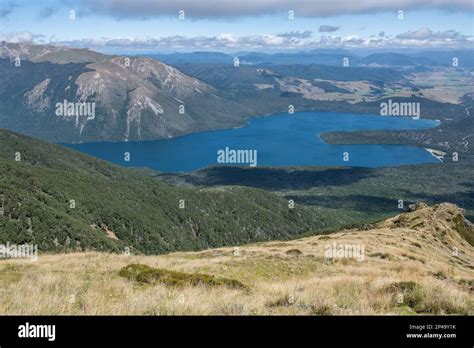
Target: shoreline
439, 155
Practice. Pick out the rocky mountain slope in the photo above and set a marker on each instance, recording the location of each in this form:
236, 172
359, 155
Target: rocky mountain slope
415, 263
134, 98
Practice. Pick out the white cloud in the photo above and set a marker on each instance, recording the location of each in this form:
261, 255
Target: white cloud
421, 38
23, 36
428, 34
229, 38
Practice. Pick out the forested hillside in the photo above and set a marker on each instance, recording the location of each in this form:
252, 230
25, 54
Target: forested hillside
63, 200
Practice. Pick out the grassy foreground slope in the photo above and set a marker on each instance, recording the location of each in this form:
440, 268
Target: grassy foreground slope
62, 200
414, 263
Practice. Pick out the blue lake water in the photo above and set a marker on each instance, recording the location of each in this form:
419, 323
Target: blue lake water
280, 140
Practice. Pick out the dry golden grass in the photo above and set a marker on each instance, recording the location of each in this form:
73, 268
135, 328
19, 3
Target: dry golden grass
408, 258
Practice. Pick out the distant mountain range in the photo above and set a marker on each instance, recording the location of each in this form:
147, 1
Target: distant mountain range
77, 95
326, 57
319, 56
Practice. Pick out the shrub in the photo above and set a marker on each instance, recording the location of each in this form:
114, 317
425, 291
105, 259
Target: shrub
321, 310
148, 275
294, 252
440, 275
383, 256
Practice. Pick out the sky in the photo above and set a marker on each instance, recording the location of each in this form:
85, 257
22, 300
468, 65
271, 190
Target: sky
231, 25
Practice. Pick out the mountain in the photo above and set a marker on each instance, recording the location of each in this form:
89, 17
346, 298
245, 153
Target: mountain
414, 263
48, 53
194, 57
333, 57
465, 57
134, 98
330, 57
277, 78
427, 59
63, 200
339, 73
317, 56
394, 59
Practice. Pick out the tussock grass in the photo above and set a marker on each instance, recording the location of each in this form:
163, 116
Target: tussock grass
294, 252
209, 282
149, 275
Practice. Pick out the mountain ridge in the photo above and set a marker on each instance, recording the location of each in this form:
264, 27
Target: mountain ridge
133, 98
387, 268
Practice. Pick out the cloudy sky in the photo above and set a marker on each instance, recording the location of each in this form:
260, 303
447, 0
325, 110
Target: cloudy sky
233, 25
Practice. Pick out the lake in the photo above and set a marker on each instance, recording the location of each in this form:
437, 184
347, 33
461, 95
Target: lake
277, 140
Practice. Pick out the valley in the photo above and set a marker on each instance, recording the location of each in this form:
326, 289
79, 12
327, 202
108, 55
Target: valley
138, 98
